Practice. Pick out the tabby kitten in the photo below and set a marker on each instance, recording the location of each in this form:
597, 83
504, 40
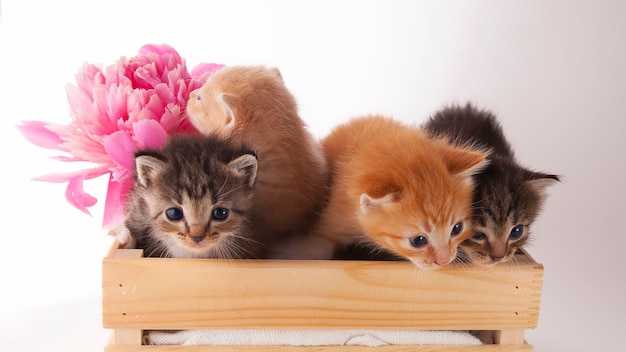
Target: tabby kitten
252, 105
508, 197
191, 199
394, 186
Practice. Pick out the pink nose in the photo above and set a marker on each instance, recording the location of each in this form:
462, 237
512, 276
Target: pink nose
198, 238
197, 232
442, 259
441, 263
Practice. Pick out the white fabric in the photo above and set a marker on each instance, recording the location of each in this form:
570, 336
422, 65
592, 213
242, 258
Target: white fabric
294, 337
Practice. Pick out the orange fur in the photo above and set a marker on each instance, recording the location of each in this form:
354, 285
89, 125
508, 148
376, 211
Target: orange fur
391, 183
252, 105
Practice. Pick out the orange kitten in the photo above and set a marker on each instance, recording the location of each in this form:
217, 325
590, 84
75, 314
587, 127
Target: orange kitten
394, 186
251, 105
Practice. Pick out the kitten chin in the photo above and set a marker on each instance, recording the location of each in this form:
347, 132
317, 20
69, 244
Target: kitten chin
507, 198
177, 246
193, 199
396, 187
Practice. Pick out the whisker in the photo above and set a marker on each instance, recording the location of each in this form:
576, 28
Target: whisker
463, 261
231, 247
246, 239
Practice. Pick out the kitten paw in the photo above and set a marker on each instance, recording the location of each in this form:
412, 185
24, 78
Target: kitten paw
122, 235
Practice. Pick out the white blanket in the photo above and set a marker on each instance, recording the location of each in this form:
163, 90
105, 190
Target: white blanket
294, 337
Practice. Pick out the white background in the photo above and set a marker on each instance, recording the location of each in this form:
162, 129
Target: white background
553, 71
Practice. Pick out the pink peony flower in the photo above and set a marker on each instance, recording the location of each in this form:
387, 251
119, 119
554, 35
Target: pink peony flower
115, 111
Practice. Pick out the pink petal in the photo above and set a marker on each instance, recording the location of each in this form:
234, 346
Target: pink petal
121, 148
159, 49
166, 93
115, 203
66, 158
154, 109
74, 192
99, 121
37, 132
150, 134
119, 174
118, 74
76, 196
81, 101
88, 77
176, 121
117, 102
67, 177
201, 69
147, 76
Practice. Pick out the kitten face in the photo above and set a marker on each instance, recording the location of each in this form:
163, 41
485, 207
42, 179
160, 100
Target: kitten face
233, 96
507, 196
189, 203
209, 111
428, 239
195, 227
507, 201
495, 242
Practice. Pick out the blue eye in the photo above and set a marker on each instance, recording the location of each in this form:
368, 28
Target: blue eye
458, 227
479, 236
174, 214
418, 241
516, 232
220, 214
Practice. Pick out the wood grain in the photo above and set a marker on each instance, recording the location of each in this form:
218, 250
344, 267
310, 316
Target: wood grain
411, 348
154, 293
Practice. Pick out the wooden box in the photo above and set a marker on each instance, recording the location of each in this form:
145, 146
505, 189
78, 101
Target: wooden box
177, 294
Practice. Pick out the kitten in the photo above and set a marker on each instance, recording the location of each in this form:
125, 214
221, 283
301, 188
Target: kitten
191, 199
508, 197
393, 185
252, 105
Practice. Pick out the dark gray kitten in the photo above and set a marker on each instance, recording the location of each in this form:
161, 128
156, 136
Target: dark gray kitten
508, 197
191, 199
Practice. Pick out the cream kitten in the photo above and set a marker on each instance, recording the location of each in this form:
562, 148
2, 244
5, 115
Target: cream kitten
252, 105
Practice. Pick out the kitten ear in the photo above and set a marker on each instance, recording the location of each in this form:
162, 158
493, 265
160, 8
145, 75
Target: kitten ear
368, 203
147, 168
276, 73
225, 102
464, 162
540, 181
246, 166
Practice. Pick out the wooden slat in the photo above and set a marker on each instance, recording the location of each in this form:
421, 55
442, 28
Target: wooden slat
509, 337
423, 348
152, 293
121, 336
131, 337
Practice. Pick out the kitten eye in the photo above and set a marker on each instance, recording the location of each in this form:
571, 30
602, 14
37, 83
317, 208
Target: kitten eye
418, 241
220, 214
516, 232
174, 214
479, 236
458, 227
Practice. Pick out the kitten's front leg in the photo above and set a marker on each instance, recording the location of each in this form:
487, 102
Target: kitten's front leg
122, 234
